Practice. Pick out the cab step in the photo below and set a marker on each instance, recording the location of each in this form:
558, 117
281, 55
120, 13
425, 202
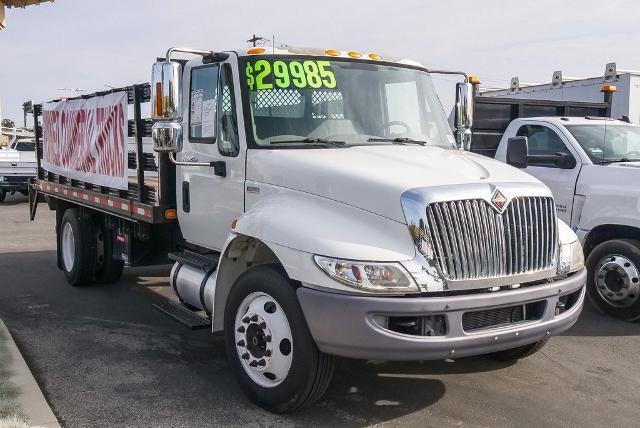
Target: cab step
206, 262
183, 315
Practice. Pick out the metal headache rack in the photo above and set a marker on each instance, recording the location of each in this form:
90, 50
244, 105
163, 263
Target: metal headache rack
148, 196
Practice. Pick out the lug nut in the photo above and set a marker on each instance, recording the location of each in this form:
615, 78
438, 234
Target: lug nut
241, 343
245, 356
240, 329
263, 325
267, 338
254, 318
245, 320
267, 353
253, 363
262, 362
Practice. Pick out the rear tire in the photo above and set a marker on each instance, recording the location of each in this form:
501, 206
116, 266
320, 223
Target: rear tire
269, 346
515, 354
110, 269
613, 279
3, 194
77, 237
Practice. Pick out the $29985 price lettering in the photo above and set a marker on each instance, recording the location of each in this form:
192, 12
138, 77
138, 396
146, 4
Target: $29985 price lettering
264, 74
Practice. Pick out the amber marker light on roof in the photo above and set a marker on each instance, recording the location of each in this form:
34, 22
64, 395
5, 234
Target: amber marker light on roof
375, 56
608, 88
255, 51
354, 54
332, 52
474, 79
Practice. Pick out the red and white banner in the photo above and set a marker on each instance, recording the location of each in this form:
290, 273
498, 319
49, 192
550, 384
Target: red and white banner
87, 139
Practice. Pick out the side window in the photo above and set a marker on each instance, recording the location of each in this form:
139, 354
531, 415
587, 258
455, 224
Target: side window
203, 104
228, 142
542, 141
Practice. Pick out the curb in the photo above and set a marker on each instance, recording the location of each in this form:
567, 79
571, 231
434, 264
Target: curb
34, 406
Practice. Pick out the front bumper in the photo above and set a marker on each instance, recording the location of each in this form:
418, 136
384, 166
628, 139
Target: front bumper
345, 325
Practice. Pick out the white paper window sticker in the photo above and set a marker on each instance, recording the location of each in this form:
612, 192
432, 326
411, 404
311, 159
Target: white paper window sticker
196, 107
208, 118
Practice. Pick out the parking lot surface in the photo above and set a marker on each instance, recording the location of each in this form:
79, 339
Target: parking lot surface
104, 356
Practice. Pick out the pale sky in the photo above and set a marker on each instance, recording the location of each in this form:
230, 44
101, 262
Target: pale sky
91, 43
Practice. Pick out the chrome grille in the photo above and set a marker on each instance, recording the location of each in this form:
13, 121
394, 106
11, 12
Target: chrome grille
472, 241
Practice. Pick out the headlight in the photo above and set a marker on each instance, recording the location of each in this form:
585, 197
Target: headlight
376, 277
571, 256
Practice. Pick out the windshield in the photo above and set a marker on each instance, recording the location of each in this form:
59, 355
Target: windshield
315, 101
608, 143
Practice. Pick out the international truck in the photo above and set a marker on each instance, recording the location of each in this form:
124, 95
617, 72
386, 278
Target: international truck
315, 204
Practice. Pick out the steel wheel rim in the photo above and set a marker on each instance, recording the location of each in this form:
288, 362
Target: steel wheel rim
68, 247
617, 281
264, 341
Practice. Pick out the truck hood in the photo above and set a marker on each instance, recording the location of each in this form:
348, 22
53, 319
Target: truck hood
373, 178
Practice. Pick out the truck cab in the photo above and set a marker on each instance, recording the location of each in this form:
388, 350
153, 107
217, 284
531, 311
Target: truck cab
592, 165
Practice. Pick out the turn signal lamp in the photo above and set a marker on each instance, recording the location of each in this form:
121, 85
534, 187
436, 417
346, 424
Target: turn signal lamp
375, 56
608, 88
474, 80
354, 54
255, 51
332, 52
170, 214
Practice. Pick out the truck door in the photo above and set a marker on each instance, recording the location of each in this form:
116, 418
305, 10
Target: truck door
545, 139
210, 198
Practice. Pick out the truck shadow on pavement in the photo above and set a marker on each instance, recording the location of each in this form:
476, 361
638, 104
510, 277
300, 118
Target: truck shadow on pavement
17, 199
108, 330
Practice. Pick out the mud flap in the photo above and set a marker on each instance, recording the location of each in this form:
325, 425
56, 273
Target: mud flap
34, 198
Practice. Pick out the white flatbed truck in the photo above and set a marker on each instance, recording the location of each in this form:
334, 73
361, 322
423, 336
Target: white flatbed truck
316, 204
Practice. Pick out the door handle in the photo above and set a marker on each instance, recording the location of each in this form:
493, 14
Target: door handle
219, 168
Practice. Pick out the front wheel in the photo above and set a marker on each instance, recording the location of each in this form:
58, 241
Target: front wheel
3, 194
269, 346
613, 281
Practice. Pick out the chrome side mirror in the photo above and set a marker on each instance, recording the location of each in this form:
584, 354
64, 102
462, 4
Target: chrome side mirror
166, 91
166, 106
464, 114
167, 137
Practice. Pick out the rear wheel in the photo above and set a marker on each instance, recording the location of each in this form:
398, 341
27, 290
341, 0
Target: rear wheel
77, 237
613, 282
3, 194
269, 346
520, 352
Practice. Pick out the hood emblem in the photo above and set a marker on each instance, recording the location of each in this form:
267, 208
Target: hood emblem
499, 200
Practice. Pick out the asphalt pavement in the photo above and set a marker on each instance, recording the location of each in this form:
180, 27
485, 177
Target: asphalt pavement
103, 356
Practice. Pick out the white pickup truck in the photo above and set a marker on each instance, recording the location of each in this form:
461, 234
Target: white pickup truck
592, 165
316, 204
17, 166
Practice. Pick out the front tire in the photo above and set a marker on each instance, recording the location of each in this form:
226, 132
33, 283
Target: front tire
3, 194
77, 245
269, 346
613, 281
515, 354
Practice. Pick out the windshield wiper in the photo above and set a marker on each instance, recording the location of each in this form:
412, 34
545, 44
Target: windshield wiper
313, 141
399, 140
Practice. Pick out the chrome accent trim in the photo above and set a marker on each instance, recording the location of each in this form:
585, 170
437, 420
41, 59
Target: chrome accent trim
462, 242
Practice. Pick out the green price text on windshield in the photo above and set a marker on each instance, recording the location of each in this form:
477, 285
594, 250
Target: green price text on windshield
264, 74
